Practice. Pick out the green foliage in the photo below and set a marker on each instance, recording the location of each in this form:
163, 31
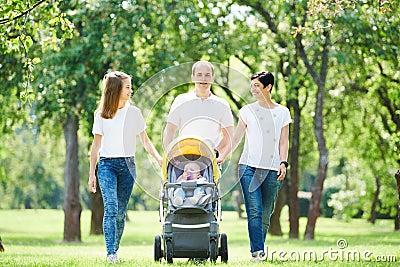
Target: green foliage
326, 208
349, 199
32, 174
28, 24
32, 168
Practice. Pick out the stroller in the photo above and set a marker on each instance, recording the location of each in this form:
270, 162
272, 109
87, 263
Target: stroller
190, 230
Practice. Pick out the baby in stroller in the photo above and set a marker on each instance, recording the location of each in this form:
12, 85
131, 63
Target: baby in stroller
200, 196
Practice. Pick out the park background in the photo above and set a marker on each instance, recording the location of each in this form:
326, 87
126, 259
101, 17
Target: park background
336, 68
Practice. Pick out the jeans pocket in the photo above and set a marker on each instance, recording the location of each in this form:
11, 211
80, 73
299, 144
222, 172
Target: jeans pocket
241, 170
130, 163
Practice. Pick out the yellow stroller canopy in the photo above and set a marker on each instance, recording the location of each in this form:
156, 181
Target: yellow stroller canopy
191, 148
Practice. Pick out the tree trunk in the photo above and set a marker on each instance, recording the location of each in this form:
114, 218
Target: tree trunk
72, 205
315, 201
275, 224
319, 79
397, 220
293, 181
372, 218
238, 197
97, 208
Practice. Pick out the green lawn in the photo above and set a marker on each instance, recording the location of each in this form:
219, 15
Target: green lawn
32, 238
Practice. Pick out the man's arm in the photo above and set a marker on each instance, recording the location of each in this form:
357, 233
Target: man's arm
227, 134
227, 131
168, 135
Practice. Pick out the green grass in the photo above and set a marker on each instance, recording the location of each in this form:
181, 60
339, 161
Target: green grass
33, 238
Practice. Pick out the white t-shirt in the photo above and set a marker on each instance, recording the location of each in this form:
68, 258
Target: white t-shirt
261, 147
119, 133
203, 117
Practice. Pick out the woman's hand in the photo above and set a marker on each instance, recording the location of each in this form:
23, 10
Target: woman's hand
281, 172
92, 184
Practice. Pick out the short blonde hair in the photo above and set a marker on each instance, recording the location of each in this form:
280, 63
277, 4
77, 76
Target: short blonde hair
200, 63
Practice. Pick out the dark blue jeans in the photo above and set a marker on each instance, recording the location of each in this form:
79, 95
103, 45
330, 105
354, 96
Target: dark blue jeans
260, 188
116, 179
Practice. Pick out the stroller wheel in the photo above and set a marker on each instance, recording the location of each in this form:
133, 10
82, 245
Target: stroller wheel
223, 250
168, 251
213, 250
157, 248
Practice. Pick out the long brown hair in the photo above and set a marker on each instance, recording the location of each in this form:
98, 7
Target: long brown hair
109, 101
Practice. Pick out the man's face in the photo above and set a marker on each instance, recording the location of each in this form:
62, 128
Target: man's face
203, 76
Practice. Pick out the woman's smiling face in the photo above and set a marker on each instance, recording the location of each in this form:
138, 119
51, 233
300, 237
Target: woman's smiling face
126, 91
257, 89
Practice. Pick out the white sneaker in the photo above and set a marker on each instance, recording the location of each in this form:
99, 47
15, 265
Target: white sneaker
195, 199
258, 256
204, 200
112, 258
177, 201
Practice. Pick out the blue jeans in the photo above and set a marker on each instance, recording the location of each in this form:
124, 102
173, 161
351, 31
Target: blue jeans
116, 179
260, 189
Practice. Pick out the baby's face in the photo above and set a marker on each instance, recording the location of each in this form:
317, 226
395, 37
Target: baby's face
192, 171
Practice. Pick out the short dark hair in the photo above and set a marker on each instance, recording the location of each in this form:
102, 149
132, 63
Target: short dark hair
265, 77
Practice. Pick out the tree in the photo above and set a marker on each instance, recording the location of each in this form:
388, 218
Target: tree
25, 24
375, 78
397, 176
328, 46
319, 78
21, 31
64, 95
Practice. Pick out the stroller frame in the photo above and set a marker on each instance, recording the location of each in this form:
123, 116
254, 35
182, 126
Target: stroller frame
190, 231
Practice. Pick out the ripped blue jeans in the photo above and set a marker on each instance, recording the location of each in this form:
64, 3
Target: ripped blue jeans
260, 189
116, 179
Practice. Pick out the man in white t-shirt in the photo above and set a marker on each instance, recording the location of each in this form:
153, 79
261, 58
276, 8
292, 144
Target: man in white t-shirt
200, 113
